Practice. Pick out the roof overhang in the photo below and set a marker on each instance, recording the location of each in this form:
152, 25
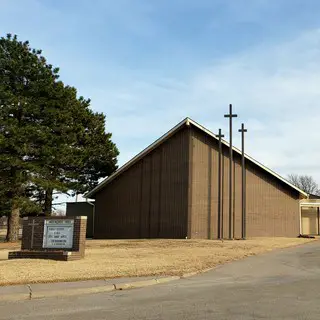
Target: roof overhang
313, 203
185, 122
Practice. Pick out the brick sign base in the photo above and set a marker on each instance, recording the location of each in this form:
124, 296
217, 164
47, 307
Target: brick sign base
33, 243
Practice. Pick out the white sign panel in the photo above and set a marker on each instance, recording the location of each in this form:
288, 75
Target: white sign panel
58, 234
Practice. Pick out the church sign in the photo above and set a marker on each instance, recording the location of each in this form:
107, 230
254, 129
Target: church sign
57, 238
58, 233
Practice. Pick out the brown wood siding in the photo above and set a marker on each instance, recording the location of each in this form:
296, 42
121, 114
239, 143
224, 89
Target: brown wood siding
273, 209
272, 206
150, 199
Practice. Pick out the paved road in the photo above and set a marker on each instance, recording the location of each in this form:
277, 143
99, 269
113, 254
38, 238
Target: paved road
280, 285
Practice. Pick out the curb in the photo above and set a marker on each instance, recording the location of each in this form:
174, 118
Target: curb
79, 291
137, 284
189, 274
106, 288
168, 279
72, 292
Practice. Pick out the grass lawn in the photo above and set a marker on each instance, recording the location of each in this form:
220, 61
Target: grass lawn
130, 258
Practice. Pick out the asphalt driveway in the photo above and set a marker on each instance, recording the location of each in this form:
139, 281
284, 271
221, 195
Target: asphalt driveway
284, 284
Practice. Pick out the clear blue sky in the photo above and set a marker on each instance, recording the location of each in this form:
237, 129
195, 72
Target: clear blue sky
147, 64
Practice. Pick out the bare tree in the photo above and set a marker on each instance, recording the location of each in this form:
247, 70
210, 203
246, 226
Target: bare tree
305, 183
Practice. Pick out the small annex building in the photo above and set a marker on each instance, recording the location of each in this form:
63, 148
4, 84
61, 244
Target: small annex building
170, 190
310, 215
82, 209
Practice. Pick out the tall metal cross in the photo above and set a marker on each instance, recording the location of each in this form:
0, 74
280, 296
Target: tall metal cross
230, 116
243, 193
220, 216
33, 224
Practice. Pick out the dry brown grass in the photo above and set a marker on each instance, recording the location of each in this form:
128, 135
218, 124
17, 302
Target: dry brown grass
130, 258
9, 245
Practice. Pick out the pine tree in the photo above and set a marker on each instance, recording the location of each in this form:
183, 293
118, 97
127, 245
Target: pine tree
76, 151
50, 140
96, 154
24, 77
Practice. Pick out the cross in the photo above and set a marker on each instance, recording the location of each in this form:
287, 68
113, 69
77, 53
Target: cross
243, 194
230, 116
33, 224
220, 217
242, 130
219, 135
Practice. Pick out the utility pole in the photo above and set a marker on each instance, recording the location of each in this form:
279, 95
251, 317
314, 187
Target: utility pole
220, 215
243, 194
230, 116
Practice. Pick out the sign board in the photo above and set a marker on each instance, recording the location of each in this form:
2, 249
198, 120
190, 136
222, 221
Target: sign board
58, 233
56, 238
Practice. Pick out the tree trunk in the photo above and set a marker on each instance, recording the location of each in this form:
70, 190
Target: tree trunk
13, 223
7, 227
48, 202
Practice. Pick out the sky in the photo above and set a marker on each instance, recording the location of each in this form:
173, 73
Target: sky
148, 64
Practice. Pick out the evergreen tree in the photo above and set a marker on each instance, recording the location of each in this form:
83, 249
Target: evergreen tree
95, 153
77, 151
50, 140
24, 76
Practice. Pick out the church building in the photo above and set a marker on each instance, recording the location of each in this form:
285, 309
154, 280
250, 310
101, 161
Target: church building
170, 190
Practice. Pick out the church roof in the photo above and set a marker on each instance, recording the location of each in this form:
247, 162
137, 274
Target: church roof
183, 123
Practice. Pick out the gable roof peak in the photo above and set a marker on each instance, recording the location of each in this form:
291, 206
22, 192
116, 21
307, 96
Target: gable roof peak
186, 121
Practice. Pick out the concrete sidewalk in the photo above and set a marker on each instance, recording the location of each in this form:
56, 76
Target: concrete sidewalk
45, 290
